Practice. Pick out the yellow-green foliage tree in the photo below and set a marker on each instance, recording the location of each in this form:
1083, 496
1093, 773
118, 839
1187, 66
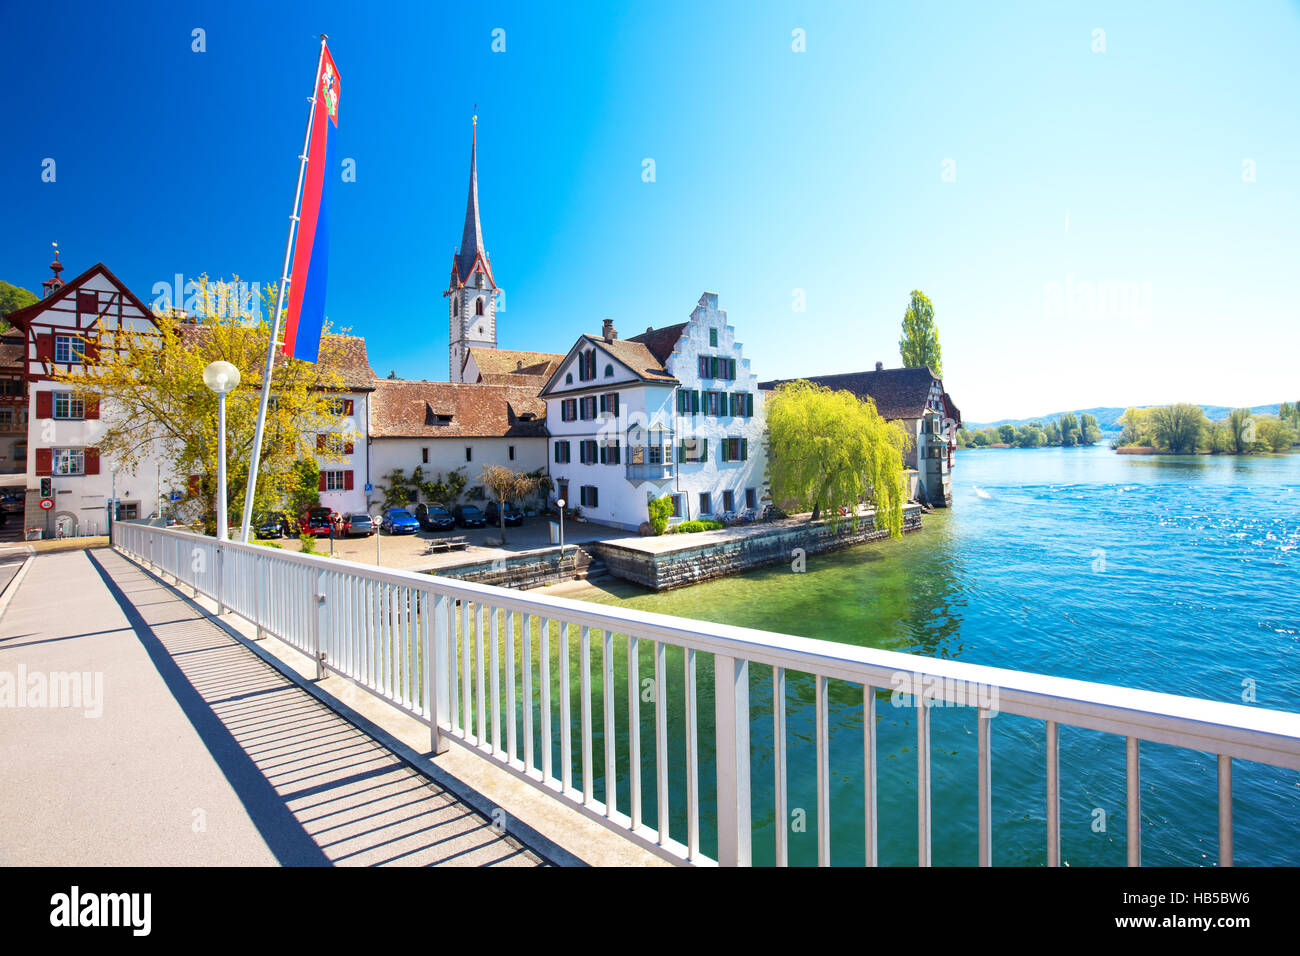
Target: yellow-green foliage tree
829, 450
154, 406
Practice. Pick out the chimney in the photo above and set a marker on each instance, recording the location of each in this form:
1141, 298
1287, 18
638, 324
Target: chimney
880, 366
607, 331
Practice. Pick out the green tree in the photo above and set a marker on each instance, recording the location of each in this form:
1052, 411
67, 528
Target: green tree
919, 344
1136, 427
13, 298
1089, 430
1273, 434
661, 509
1007, 433
1069, 426
1178, 429
832, 450
154, 404
1241, 431
392, 375
1028, 436
979, 439
305, 492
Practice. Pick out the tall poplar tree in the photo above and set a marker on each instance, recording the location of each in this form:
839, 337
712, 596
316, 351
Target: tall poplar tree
919, 344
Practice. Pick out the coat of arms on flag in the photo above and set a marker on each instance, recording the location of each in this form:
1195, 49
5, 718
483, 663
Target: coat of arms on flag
306, 314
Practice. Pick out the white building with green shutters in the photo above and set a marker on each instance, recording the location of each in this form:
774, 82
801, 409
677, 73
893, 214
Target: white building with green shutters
672, 411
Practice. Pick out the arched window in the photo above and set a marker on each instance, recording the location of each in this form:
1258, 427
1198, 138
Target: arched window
455, 306
568, 379
609, 371
478, 306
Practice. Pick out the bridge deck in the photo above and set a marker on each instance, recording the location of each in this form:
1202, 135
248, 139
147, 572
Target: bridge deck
203, 754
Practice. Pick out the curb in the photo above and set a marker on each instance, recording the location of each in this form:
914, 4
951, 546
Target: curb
12, 587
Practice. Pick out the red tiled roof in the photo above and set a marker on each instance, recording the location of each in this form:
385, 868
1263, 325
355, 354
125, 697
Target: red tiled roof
344, 353
660, 342
505, 366
635, 355
402, 409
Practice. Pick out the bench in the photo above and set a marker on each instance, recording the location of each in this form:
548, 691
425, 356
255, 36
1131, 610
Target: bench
447, 544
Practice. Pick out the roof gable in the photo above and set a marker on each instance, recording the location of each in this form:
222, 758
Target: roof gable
23, 317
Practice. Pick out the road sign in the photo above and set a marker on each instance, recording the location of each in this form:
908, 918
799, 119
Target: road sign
369, 487
175, 496
47, 504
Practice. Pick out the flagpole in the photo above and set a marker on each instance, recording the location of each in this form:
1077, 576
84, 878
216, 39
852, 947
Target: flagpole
279, 300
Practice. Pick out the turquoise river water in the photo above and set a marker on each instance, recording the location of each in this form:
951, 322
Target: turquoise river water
1173, 574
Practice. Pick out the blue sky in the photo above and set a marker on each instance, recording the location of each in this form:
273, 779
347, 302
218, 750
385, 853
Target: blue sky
1120, 171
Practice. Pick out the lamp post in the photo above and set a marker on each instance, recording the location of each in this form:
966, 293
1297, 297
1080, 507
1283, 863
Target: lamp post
560, 504
222, 378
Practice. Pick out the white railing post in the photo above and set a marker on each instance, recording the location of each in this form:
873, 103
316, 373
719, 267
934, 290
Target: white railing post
221, 607
731, 706
318, 630
437, 671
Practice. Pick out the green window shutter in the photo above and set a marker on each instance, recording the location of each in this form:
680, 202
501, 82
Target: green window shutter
602, 454
681, 451
704, 449
749, 404
744, 449
602, 403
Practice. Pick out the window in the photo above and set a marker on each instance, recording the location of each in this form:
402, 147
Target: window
561, 452
678, 502
455, 306
688, 401
424, 456
568, 409
6, 418
562, 491
69, 461
609, 371
68, 405
713, 338
334, 480
68, 348
587, 365
706, 503
728, 501
469, 453
751, 498
735, 449
714, 402
568, 379
610, 453
588, 408
512, 452
715, 366
478, 306
588, 493
693, 449
587, 452
609, 404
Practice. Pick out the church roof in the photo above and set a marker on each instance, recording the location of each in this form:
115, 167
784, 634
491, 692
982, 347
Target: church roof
471, 238
508, 366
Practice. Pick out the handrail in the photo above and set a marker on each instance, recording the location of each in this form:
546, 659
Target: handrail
379, 625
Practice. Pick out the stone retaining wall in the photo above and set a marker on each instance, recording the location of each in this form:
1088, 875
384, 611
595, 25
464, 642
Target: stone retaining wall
525, 570
730, 554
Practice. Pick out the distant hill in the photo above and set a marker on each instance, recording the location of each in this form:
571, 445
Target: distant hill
1108, 418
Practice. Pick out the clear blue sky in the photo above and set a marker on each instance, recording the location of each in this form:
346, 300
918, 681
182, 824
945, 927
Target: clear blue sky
776, 171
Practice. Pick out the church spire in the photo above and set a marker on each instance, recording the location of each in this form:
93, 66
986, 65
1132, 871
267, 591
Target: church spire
471, 240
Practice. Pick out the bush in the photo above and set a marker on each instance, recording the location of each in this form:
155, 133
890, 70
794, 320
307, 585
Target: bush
687, 527
266, 544
661, 509
308, 542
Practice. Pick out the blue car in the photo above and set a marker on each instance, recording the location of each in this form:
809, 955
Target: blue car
399, 521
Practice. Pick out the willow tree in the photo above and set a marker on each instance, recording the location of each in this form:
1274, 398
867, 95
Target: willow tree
508, 485
919, 344
1178, 428
154, 407
830, 450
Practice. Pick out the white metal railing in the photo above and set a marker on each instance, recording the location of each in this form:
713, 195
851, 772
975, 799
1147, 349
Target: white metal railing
491, 690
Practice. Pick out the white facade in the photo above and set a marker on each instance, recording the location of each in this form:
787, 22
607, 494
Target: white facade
346, 471
670, 433
439, 456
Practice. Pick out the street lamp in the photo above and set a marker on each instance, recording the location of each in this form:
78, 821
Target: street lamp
222, 378
560, 505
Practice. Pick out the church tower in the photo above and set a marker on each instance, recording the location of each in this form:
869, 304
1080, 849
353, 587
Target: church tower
472, 293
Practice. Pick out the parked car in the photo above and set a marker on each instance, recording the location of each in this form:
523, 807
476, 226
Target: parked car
434, 517
513, 515
358, 523
399, 521
469, 516
11, 502
272, 524
318, 521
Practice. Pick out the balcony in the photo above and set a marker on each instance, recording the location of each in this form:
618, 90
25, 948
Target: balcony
649, 462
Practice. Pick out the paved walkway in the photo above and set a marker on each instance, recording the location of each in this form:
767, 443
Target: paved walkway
194, 752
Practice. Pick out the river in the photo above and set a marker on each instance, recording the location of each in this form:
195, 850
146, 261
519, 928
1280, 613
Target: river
1172, 574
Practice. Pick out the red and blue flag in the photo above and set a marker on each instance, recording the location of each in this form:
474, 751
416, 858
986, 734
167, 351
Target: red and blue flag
306, 318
